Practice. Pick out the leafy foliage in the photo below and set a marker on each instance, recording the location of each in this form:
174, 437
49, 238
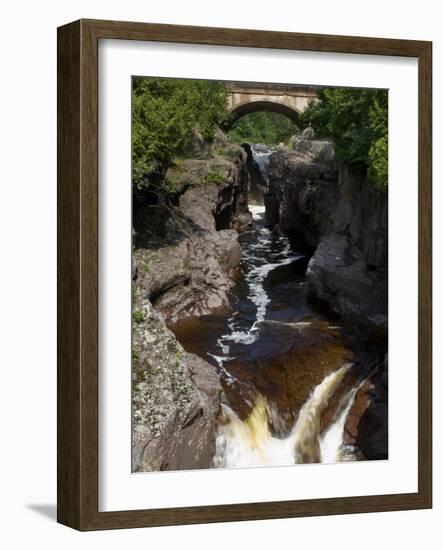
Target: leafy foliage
164, 112
357, 121
138, 316
262, 127
213, 177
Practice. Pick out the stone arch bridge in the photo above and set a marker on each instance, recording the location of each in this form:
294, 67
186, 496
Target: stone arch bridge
288, 99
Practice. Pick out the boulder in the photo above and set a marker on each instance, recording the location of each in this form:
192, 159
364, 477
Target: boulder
362, 212
320, 150
217, 186
176, 398
310, 192
184, 269
338, 274
198, 204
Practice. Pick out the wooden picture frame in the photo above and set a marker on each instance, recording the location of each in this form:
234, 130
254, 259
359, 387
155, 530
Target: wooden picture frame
78, 274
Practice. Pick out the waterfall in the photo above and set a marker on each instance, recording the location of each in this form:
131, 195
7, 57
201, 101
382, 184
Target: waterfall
332, 448
261, 156
250, 443
253, 442
306, 433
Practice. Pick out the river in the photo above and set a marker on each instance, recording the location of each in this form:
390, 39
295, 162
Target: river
284, 367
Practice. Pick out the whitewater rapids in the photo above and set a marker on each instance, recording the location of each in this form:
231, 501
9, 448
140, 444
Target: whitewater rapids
256, 257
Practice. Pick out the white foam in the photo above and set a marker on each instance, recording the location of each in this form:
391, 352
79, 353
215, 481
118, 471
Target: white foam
255, 254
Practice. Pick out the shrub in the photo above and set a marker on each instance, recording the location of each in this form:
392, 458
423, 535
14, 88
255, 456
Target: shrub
357, 121
164, 111
213, 177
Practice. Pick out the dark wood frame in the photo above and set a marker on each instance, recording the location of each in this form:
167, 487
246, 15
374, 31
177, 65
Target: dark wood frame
77, 456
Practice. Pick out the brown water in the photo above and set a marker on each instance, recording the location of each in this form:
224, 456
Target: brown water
282, 361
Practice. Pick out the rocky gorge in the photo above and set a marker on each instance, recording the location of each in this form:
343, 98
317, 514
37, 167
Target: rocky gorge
260, 324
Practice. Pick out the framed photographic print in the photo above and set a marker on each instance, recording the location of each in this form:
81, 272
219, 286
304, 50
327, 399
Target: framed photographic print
244, 275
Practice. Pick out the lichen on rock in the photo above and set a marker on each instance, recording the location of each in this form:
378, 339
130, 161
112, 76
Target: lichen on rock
175, 398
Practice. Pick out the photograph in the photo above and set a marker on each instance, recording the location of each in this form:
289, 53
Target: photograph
259, 274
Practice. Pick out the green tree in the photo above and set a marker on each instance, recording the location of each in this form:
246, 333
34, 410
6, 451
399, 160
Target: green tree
262, 127
357, 121
164, 112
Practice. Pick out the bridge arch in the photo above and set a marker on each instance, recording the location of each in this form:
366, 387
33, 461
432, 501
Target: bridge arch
287, 99
246, 107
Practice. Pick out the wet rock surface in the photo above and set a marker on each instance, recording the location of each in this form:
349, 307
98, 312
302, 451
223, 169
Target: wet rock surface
367, 422
338, 274
257, 181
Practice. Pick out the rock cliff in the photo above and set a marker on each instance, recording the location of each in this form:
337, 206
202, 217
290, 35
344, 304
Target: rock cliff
302, 191
338, 274
185, 256
341, 216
